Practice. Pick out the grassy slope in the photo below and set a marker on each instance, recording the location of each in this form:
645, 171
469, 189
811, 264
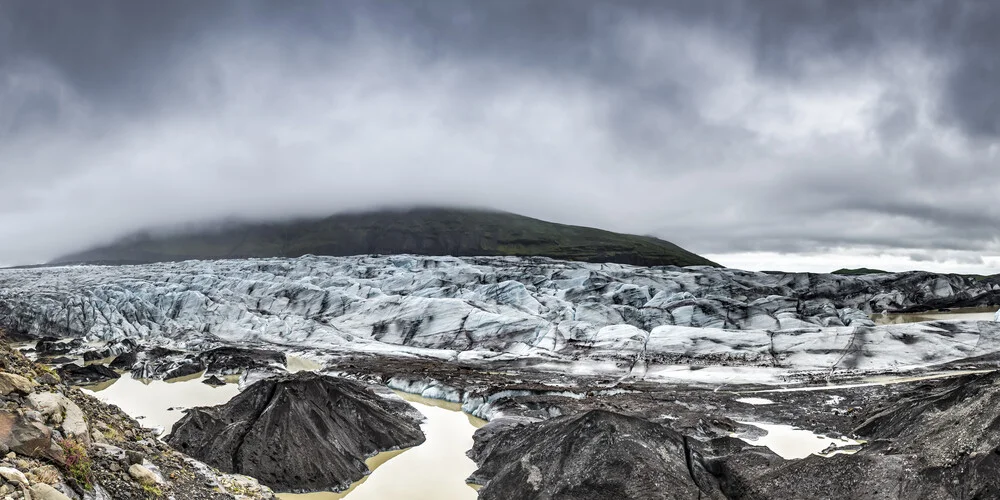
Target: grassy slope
422, 231
859, 271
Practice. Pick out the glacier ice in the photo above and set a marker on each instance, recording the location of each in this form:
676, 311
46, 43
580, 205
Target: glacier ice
619, 319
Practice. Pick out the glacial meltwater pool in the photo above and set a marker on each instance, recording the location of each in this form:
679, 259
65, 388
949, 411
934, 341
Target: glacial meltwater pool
967, 314
434, 470
790, 442
159, 403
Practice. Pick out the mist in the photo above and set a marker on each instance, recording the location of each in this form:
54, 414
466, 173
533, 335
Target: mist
761, 134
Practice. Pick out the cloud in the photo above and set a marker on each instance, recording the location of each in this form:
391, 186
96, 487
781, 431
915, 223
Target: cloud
732, 128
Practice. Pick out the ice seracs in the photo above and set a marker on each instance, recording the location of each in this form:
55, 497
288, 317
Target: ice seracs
626, 320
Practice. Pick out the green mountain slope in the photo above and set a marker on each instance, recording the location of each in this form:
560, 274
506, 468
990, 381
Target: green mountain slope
418, 231
859, 271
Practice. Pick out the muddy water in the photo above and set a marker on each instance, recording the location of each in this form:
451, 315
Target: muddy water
790, 442
435, 470
876, 380
969, 314
153, 399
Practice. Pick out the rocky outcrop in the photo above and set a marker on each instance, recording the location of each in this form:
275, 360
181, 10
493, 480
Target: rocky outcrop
57, 443
301, 432
589, 456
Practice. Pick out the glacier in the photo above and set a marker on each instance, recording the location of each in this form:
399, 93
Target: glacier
615, 319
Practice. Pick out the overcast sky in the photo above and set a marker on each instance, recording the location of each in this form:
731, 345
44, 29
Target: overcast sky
795, 135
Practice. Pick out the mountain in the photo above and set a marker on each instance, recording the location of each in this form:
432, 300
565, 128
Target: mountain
426, 231
861, 271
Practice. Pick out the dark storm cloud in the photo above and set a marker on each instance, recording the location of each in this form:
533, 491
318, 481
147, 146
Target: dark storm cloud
798, 125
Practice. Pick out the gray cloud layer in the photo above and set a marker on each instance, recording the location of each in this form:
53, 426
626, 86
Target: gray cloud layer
780, 126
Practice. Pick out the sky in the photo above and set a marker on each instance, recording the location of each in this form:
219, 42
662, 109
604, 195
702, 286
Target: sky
800, 135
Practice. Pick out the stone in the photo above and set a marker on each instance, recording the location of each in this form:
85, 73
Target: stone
28, 437
64, 412
133, 457
42, 491
143, 476
110, 451
13, 475
10, 382
46, 377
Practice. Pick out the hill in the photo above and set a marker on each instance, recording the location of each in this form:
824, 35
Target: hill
418, 231
859, 271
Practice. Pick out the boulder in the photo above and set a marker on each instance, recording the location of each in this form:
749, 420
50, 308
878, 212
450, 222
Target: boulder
42, 491
13, 476
10, 382
61, 411
143, 476
25, 436
301, 432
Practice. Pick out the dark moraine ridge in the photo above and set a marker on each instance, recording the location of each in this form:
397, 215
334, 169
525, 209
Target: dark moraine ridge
592, 455
937, 441
425, 231
301, 432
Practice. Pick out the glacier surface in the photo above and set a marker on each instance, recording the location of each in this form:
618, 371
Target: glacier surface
619, 319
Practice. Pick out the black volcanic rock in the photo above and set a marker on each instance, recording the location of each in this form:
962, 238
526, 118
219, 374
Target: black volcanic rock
74, 374
302, 432
594, 455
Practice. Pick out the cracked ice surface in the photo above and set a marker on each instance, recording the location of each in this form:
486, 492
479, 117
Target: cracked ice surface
618, 319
